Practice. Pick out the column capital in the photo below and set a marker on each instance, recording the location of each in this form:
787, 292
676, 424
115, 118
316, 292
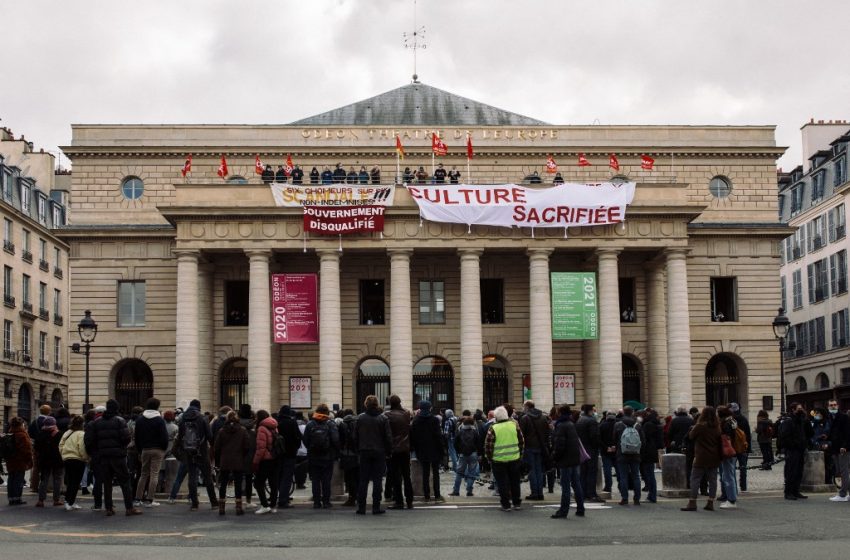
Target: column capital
608, 251
187, 254
258, 254
470, 252
328, 254
676, 253
539, 253
400, 252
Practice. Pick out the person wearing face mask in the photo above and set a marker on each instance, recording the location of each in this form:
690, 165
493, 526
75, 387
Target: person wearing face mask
839, 439
821, 425
794, 434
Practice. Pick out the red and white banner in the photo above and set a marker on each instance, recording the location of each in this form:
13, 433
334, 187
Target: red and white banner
518, 206
332, 195
295, 308
343, 219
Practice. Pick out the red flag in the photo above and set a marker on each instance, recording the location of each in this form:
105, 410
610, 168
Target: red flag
187, 167
258, 165
222, 168
399, 149
438, 146
613, 163
582, 161
288, 167
469, 152
551, 166
646, 162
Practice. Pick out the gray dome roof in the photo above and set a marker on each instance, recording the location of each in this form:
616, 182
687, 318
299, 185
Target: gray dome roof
418, 104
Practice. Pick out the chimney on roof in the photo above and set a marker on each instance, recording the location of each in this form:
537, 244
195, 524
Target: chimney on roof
817, 136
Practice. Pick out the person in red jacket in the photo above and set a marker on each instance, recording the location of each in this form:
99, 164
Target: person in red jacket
20, 462
265, 464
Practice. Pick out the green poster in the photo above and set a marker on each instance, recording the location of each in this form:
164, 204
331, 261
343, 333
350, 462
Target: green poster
574, 312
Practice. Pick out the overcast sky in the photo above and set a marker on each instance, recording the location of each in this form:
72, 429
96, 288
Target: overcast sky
564, 62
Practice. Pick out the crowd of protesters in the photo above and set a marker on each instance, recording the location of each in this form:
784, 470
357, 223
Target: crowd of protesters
269, 453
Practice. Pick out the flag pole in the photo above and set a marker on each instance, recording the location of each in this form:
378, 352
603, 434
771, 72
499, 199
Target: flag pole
468, 174
397, 168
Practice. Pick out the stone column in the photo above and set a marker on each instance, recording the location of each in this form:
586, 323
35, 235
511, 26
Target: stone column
656, 332
187, 377
209, 393
610, 339
330, 328
471, 371
540, 328
259, 330
678, 330
401, 327
590, 373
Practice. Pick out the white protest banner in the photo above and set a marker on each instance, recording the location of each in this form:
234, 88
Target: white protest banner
332, 195
519, 206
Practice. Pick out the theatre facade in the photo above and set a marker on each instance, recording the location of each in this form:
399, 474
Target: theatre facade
183, 274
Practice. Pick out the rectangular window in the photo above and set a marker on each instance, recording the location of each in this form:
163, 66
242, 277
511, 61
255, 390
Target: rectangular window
797, 283
42, 209
432, 302
26, 197
818, 275
817, 239
57, 216
845, 375
42, 346
628, 304
839, 174
799, 242
236, 303
837, 227
492, 301
57, 257
57, 303
796, 199
7, 231
7, 339
371, 302
6, 178
42, 296
131, 304
724, 299
820, 334
839, 328
817, 185
25, 295
783, 293
57, 352
838, 272
27, 343
7, 282
26, 239
42, 250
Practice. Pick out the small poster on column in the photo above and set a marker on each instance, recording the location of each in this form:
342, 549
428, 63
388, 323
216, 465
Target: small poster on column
301, 392
295, 308
565, 388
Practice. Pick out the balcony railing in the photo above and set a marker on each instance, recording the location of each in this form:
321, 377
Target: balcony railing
43, 364
9, 247
8, 354
26, 256
58, 320
26, 310
9, 301
44, 314
57, 367
44, 265
57, 272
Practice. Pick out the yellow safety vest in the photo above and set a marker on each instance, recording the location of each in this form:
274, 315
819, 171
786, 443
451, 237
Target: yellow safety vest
506, 446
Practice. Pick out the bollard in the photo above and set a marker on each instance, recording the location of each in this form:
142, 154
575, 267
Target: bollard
814, 473
674, 473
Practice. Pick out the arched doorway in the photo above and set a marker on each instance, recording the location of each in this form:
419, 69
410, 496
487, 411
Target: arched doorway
434, 381
233, 383
722, 381
496, 379
56, 400
631, 380
373, 378
25, 402
133, 384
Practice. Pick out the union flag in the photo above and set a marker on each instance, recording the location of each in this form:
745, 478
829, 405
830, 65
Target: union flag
469, 152
438, 146
613, 163
288, 167
582, 161
551, 166
187, 167
646, 162
258, 165
399, 149
222, 168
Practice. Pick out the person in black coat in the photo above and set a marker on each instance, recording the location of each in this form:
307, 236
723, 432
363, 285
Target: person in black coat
653, 441
339, 174
567, 457
327, 176
288, 428
314, 176
280, 175
607, 448
839, 445
298, 175
743, 424
374, 442
46, 445
427, 442
375, 175
151, 438
267, 175
197, 460
106, 442
794, 433
588, 431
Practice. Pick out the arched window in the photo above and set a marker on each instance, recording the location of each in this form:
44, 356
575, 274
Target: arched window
133, 384
56, 400
822, 381
434, 381
237, 180
721, 381
233, 383
495, 382
800, 385
373, 378
631, 380
25, 402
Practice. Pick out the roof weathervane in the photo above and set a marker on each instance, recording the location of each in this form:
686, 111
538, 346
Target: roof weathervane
415, 41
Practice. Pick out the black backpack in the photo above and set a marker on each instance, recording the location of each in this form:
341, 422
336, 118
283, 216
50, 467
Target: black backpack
320, 438
192, 438
278, 446
466, 442
7, 447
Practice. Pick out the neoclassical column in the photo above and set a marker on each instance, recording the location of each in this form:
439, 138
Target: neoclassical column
330, 328
590, 373
208, 392
471, 371
656, 332
259, 330
401, 327
678, 330
187, 375
540, 328
610, 339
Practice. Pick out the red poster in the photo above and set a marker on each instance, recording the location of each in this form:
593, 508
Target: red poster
295, 308
343, 219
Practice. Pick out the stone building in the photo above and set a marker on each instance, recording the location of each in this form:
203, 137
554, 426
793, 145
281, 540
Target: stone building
176, 271
35, 281
813, 275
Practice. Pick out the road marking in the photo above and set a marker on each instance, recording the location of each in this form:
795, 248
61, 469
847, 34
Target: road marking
26, 530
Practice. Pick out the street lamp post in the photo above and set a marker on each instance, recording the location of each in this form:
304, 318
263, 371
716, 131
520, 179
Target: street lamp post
87, 330
781, 326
